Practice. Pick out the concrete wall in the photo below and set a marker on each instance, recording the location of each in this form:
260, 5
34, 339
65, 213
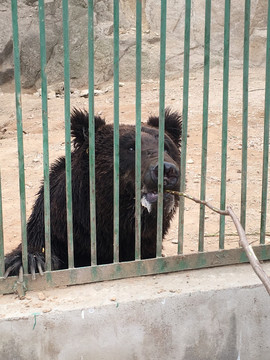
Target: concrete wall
220, 313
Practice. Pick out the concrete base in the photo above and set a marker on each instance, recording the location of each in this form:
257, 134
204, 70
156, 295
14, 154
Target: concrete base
221, 313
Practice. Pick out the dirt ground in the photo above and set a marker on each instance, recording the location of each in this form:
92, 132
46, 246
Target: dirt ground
32, 125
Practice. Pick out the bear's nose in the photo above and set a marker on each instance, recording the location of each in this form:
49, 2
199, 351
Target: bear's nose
171, 174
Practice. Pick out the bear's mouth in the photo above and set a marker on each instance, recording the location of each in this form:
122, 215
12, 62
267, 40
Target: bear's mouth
150, 198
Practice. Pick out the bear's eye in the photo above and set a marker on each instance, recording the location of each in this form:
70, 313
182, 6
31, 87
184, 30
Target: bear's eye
131, 148
166, 149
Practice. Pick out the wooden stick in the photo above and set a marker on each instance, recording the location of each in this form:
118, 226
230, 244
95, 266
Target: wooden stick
198, 201
254, 262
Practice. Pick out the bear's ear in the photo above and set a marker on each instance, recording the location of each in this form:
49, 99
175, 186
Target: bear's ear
79, 126
173, 125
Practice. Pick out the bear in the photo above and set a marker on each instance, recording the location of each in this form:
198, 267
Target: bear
104, 167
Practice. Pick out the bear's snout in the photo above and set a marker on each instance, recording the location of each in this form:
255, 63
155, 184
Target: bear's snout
171, 175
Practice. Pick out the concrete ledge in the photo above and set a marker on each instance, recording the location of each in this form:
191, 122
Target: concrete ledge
218, 313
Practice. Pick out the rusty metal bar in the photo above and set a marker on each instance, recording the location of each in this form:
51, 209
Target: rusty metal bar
92, 181
184, 127
138, 268
205, 119
224, 120
47, 221
2, 262
18, 100
266, 135
245, 115
68, 135
161, 125
138, 131
116, 129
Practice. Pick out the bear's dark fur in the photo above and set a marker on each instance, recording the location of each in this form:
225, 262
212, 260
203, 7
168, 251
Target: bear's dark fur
104, 195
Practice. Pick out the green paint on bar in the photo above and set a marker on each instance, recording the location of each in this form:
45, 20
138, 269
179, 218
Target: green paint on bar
91, 132
2, 264
67, 134
266, 135
47, 222
138, 131
224, 121
245, 115
205, 118
116, 130
184, 127
161, 125
17, 74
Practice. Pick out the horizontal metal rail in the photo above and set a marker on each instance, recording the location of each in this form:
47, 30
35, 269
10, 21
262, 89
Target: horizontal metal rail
135, 268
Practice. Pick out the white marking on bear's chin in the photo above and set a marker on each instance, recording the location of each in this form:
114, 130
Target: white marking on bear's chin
171, 208
145, 203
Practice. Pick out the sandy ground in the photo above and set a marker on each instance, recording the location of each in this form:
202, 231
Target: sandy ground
32, 125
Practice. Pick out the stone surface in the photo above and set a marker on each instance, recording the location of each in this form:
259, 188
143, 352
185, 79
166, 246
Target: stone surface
103, 21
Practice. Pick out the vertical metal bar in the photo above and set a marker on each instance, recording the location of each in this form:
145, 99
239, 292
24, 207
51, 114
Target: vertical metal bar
184, 127
205, 118
92, 131
47, 225
2, 262
17, 74
116, 130
161, 125
138, 131
245, 115
67, 135
266, 134
224, 120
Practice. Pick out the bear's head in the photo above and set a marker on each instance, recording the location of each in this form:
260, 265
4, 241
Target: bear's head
149, 156
149, 160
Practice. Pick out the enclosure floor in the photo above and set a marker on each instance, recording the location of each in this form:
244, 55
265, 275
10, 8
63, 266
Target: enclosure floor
32, 124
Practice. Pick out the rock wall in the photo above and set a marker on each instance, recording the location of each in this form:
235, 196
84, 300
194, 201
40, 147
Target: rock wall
103, 19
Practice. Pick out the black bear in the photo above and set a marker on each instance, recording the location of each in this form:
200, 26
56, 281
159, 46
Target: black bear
104, 195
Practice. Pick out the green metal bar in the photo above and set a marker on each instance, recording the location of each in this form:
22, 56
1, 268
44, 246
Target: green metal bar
266, 134
92, 131
161, 125
245, 115
184, 126
205, 118
138, 268
138, 131
224, 120
17, 74
116, 129
47, 225
2, 262
67, 135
